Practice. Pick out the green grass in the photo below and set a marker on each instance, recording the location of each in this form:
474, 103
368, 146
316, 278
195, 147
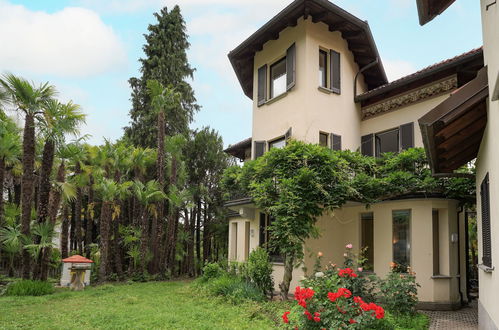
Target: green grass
167, 305
29, 288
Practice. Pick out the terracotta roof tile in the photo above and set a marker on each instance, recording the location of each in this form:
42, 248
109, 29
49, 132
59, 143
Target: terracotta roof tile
422, 72
77, 259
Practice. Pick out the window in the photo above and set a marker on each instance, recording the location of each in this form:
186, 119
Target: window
387, 142
278, 78
323, 139
322, 68
486, 237
266, 237
436, 242
367, 239
393, 140
259, 148
401, 238
233, 241
279, 143
335, 142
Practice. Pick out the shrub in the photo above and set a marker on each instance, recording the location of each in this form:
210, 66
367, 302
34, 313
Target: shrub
234, 288
334, 277
211, 270
341, 309
29, 288
399, 292
259, 271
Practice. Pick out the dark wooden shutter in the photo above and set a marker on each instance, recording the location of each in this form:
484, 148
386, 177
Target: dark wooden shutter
287, 136
366, 145
262, 229
259, 148
335, 142
262, 85
486, 235
407, 136
335, 72
291, 67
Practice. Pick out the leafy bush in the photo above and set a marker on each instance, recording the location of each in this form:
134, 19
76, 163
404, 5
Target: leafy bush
211, 270
349, 277
399, 292
417, 321
29, 288
259, 271
234, 288
341, 309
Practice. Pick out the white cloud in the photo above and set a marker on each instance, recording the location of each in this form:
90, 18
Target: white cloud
73, 42
396, 69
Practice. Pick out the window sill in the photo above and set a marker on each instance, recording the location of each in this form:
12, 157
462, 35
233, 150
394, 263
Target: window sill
486, 269
441, 277
327, 90
276, 98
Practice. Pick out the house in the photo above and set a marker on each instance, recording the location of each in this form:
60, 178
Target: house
471, 115
314, 74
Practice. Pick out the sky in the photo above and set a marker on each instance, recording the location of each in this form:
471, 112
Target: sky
89, 49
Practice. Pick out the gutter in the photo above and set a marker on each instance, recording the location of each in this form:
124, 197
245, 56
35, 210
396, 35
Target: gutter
368, 66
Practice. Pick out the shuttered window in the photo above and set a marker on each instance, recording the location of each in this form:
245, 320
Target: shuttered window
335, 142
335, 72
366, 147
436, 242
278, 78
287, 136
322, 68
291, 67
259, 148
486, 237
323, 137
407, 136
262, 85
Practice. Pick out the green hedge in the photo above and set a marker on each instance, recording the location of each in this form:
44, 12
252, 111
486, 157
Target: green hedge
29, 288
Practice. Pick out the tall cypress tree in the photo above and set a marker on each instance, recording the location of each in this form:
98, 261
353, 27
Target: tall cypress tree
166, 61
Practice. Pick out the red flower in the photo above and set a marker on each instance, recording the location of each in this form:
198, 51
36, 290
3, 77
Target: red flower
347, 272
285, 317
333, 296
358, 300
340, 310
352, 321
302, 294
309, 316
345, 292
364, 306
317, 319
380, 312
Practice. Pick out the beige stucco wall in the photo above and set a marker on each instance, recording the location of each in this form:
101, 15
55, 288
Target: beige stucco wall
488, 162
305, 108
404, 115
342, 227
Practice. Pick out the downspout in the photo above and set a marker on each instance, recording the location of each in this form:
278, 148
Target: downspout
368, 66
467, 255
459, 257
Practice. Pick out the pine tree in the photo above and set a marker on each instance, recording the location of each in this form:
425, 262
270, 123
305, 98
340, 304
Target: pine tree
166, 61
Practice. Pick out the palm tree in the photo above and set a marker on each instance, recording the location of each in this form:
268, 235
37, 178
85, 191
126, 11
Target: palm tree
11, 243
163, 102
58, 121
10, 150
109, 191
147, 195
27, 99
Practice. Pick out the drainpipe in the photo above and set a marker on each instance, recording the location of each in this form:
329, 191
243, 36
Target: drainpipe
368, 66
459, 256
467, 255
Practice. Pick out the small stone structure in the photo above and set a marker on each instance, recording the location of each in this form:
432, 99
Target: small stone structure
76, 272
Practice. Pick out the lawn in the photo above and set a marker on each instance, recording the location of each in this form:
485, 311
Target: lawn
168, 305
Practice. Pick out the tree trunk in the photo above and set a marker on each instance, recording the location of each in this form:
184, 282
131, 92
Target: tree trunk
45, 186
55, 194
72, 240
288, 276
118, 265
78, 206
206, 237
27, 188
64, 232
144, 239
104, 240
198, 239
160, 175
90, 217
2, 178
